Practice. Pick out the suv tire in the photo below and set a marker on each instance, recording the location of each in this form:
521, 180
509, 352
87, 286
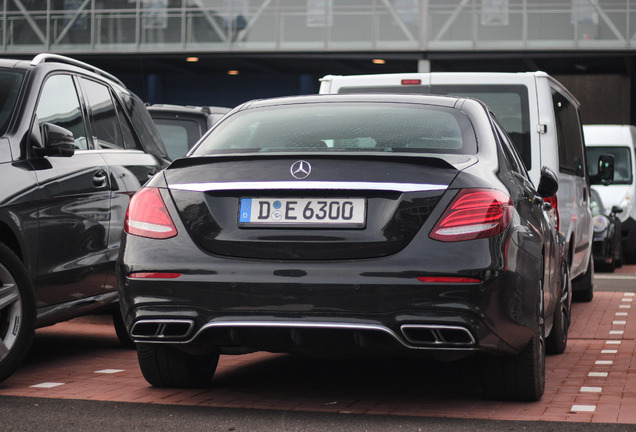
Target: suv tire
17, 312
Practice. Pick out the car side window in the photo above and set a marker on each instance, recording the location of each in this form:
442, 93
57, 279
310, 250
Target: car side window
103, 117
569, 135
109, 127
59, 105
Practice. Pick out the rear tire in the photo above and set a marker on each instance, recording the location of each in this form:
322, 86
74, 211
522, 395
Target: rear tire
583, 286
17, 312
165, 366
557, 341
120, 330
520, 377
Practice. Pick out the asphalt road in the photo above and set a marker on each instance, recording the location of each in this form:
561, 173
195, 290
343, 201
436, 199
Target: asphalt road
31, 414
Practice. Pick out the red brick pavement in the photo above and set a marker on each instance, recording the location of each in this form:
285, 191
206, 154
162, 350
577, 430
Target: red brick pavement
593, 381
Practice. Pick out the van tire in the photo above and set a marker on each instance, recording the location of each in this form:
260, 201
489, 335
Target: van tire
583, 286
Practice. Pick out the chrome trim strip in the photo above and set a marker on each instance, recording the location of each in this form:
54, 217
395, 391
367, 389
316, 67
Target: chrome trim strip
297, 185
315, 325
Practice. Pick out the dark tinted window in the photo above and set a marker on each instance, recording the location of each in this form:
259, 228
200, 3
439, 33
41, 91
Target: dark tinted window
509, 103
622, 162
178, 135
405, 89
104, 120
569, 134
59, 104
142, 124
333, 127
10, 83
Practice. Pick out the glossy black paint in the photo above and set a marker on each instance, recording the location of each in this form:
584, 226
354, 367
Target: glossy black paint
329, 291
607, 246
62, 214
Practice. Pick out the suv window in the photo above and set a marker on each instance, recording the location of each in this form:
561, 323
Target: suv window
109, 127
569, 135
60, 105
10, 83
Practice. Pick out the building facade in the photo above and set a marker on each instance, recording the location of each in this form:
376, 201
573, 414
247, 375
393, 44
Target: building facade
283, 46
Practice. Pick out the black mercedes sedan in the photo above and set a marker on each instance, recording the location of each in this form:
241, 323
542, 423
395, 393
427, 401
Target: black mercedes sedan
347, 225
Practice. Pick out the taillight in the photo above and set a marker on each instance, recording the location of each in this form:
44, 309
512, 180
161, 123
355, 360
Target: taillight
147, 216
411, 82
474, 214
555, 210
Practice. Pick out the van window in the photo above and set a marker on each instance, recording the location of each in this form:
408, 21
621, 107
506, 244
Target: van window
508, 102
510, 105
622, 162
569, 135
403, 89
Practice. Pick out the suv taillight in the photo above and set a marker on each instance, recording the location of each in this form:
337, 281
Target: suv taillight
474, 214
147, 216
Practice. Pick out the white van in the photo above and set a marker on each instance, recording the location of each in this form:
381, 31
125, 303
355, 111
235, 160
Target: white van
543, 120
617, 140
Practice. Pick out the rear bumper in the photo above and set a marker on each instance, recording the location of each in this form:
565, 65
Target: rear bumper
367, 307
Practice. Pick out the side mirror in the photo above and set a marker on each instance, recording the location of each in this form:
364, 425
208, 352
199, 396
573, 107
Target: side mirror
606, 169
548, 183
56, 141
616, 209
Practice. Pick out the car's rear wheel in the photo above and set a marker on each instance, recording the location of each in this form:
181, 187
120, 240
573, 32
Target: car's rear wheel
17, 312
166, 366
120, 330
520, 377
557, 341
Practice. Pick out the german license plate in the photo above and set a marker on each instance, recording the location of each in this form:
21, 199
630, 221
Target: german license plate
327, 212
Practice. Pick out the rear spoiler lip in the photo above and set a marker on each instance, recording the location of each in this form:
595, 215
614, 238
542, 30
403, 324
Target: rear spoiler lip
446, 161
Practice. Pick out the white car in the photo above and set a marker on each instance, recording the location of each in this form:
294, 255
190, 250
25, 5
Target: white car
541, 117
617, 140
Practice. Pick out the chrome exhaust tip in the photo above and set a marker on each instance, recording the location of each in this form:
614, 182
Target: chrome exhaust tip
165, 329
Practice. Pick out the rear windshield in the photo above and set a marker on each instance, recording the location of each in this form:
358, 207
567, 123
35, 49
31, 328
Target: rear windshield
334, 127
10, 82
622, 162
509, 103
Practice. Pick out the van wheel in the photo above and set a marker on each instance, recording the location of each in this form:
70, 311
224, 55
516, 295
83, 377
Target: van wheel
583, 286
557, 340
165, 366
520, 377
17, 312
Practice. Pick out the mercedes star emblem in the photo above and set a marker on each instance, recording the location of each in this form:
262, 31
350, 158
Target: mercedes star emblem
300, 169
